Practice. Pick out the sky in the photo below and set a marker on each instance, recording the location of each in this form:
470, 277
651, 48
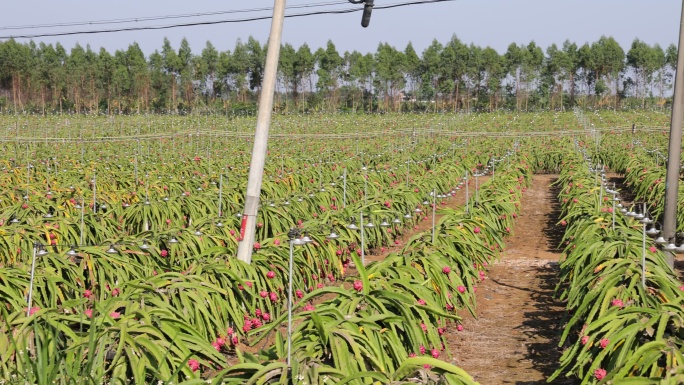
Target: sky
494, 23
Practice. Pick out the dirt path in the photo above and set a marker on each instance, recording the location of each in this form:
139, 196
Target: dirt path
514, 338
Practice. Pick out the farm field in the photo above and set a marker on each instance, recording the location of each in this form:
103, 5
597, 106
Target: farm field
494, 256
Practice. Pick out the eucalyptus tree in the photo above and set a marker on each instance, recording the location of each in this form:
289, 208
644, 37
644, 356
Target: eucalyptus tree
451, 75
60, 74
571, 66
329, 63
47, 66
364, 70
286, 71
237, 69
257, 59
556, 70
586, 66
159, 80
668, 70
474, 75
349, 90
77, 72
514, 57
412, 70
222, 84
644, 61
121, 82
207, 72
105, 74
531, 66
524, 64
453, 66
389, 63
304, 66
139, 75
90, 91
493, 71
187, 73
172, 66
661, 74
608, 61
14, 61
431, 61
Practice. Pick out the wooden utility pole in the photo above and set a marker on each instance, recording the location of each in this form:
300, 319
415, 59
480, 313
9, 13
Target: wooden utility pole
256, 166
675, 148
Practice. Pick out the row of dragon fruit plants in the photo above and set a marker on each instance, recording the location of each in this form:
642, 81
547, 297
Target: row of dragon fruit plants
187, 309
625, 304
134, 279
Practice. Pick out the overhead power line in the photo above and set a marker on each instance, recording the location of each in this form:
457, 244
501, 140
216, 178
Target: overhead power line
164, 17
216, 22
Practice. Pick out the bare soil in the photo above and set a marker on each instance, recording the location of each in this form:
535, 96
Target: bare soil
514, 339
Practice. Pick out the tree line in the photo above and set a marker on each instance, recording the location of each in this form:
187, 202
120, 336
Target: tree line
45, 78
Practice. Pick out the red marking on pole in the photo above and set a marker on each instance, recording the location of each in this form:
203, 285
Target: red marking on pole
243, 226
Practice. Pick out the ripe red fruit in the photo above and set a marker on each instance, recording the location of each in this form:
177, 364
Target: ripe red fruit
194, 365
270, 274
600, 373
358, 285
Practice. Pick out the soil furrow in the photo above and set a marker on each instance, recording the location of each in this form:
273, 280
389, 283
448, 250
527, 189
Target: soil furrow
514, 339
